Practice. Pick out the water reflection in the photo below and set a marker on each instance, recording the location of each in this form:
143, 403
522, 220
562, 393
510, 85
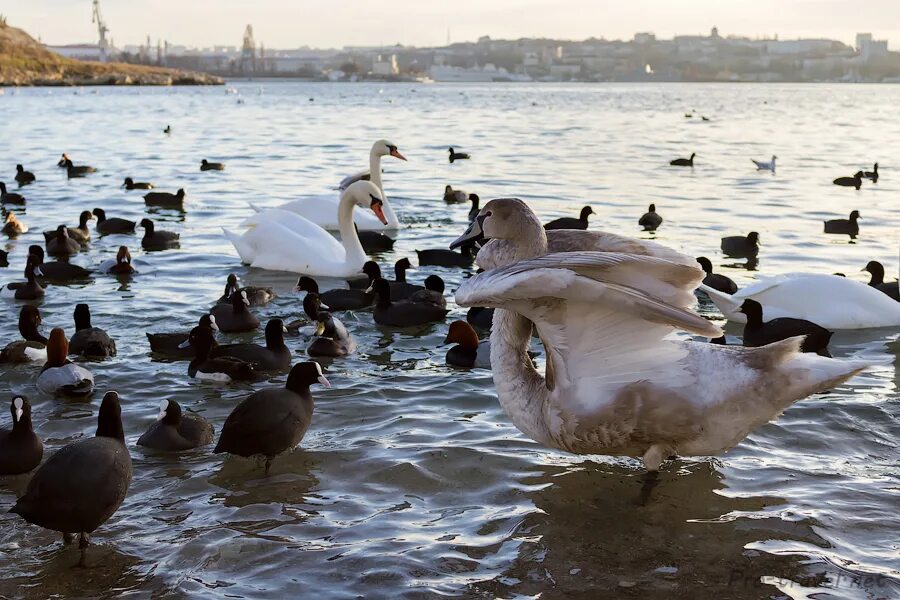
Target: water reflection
592, 533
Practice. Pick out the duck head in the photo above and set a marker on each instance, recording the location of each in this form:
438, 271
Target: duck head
57, 348
435, 284
123, 256
109, 419
305, 374
753, 310
382, 290
208, 320
84, 217
307, 284
29, 320
32, 268
169, 412
37, 252
876, 269
20, 408
705, 264
372, 270
463, 334
231, 284
200, 339
400, 268
82, 317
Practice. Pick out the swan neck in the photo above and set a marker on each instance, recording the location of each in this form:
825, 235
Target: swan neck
349, 237
375, 177
532, 242
520, 388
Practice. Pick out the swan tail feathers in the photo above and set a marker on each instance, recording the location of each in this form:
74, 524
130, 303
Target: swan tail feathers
254, 207
726, 303
814, 373
243, 250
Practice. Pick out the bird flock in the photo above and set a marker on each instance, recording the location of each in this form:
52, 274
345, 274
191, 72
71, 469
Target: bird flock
592, 299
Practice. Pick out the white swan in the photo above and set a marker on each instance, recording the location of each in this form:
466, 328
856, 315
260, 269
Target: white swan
323, 209
832, 301
613, 384
292, 243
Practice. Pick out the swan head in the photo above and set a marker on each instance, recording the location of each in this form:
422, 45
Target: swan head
366, 194
386, 148
501, 219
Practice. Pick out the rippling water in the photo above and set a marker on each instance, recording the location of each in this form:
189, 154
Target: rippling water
411, 481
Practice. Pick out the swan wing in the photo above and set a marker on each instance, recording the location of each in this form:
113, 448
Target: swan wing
273, 246
501, 252
349, 180
600, 335
831, 301
320, 210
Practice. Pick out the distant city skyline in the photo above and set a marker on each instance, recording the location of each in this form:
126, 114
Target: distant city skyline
338, 23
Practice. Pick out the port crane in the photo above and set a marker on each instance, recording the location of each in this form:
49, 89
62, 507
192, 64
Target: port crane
103, 43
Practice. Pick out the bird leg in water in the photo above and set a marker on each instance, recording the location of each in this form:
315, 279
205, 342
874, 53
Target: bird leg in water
651, 480
268, 464
83, 541
68, 538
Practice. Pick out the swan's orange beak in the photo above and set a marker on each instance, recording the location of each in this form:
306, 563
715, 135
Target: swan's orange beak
378, 210
396, 154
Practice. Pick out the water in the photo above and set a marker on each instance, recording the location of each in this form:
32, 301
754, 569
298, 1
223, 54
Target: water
411, 481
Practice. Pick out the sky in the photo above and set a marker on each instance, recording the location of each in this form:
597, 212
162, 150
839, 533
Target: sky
338, 23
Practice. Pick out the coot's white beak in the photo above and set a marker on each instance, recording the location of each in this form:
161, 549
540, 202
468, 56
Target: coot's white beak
324, 381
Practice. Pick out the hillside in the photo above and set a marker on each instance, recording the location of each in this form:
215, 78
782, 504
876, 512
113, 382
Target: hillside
24, 61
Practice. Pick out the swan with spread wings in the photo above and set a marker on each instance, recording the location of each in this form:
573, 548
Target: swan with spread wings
616, 382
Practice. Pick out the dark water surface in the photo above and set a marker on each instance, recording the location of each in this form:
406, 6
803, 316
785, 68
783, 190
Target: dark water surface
411, 481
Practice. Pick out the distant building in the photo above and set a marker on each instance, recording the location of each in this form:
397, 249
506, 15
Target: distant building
870, 49
644, 38
787, 47
90, 52
385, 66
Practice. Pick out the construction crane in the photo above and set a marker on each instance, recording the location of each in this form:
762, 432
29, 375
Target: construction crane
97, 18
248, 51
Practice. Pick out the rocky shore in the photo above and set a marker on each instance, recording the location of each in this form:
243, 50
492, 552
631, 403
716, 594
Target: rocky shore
25, 62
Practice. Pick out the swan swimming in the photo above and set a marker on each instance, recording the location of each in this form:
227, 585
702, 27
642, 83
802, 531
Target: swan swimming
323, 209
292, 243
614, 383
832, 301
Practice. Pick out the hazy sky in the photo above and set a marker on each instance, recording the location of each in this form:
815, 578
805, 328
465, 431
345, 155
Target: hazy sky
336, 23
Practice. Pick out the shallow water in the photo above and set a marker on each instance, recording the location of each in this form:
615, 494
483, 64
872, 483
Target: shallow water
411, 481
